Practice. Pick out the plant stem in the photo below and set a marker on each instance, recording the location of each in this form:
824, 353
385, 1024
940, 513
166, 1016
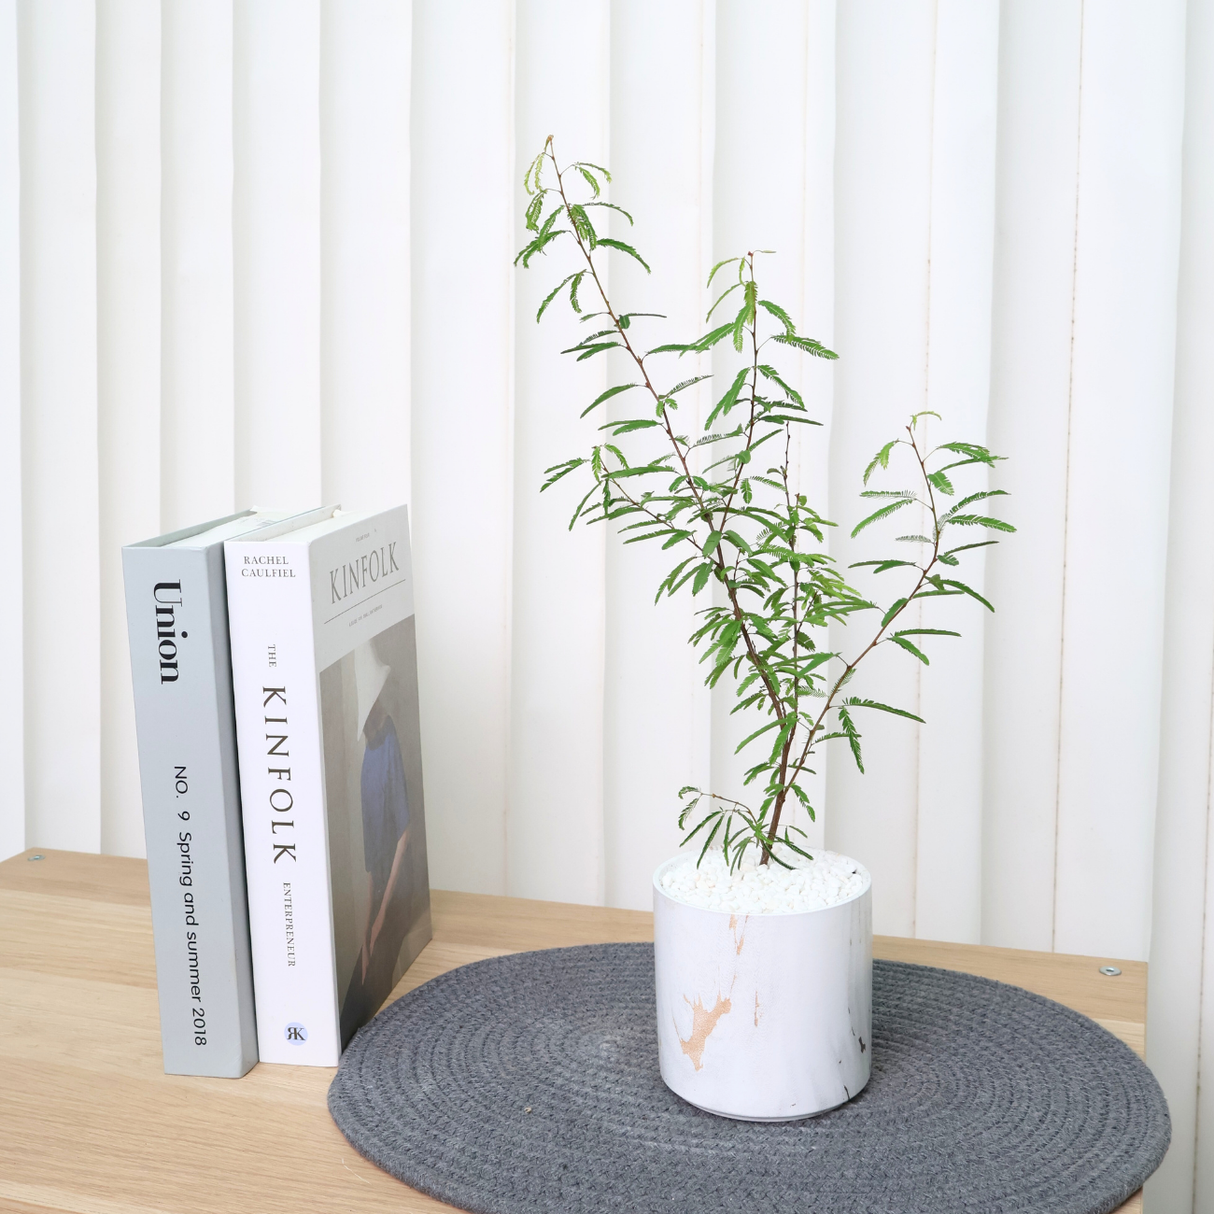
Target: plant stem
705, 513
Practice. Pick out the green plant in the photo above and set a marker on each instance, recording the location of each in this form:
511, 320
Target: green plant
724, 502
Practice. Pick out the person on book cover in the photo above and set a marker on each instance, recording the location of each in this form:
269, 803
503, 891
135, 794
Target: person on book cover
385, 818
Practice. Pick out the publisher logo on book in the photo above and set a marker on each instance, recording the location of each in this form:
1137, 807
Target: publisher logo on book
296, 1034
167, 598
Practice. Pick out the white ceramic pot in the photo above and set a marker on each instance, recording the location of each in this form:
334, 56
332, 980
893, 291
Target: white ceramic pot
764, 1017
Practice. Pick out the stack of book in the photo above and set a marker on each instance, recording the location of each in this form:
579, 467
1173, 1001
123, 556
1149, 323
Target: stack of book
275, 675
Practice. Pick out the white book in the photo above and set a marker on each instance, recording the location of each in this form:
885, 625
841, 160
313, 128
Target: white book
325, 676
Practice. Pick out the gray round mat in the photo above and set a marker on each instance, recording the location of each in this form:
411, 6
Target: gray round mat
530, 1083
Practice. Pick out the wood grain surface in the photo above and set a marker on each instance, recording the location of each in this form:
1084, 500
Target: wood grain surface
89, 1123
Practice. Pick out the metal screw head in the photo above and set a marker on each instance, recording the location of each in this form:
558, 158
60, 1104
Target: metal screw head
36, 856
1110, 971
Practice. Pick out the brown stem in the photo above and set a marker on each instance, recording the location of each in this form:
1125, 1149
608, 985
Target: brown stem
704, 512
924, 573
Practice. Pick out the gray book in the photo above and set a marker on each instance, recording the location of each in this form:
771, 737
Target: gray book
177, 620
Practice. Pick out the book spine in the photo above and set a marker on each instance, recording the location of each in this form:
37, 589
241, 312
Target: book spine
282, 792
181, 673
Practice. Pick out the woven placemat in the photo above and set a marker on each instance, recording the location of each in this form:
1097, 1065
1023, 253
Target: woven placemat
530, 1083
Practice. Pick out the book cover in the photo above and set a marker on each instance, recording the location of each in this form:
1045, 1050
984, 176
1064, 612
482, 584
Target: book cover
181, 672
324, 651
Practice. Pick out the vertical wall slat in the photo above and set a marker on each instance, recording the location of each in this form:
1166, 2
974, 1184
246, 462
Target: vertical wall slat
1039, 54
760, 155
1120, 435
463, 237
885, 70
197, 328
59, 424
554, 837
128, 369
276, 241
818, 304
656, 715
12, 675
948, 882
1180, 973
364, 115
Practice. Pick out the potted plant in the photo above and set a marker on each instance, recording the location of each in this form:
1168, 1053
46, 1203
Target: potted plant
763, 950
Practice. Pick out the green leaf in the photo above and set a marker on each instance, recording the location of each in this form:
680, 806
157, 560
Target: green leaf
971, 451
967, 547
885, 565
856, 702
627, 427
978, 520
612, 206
532, 215
941, 482
961, 586
877, 515
560, 470
901, 641
781, 419
729, 261
730, 398
739, 330
783, 317
771, 373
710, 544
893, 610
882, 458
724, 295
807, 344
598, 400
589, 164
594, 185
551, 296
532, 175
710, 339
597, 348
702, 575
853, 737
577, 282
623, 248
931, 632
971, 499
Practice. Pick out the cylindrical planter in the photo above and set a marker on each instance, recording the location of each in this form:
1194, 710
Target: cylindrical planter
764, 1017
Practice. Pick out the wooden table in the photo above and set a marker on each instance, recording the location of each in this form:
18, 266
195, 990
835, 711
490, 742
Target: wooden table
89, 1123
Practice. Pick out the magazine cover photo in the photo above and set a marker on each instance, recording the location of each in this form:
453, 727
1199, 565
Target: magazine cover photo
376, 819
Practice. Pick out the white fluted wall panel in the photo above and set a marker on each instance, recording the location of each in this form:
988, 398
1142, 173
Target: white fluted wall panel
1128, 231
12, 606
261, 252
1182, 954
276, 245
656, 710
59, 455
464, 183
1029, 423
128, 363
555, 845
365, 244
883, 200
197, 318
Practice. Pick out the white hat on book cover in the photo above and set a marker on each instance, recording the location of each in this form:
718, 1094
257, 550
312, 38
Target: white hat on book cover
370, 675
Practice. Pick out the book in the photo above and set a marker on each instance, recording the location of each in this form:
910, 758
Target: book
325, 662
176, 600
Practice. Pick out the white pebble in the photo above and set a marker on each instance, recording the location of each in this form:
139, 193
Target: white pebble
826, 880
